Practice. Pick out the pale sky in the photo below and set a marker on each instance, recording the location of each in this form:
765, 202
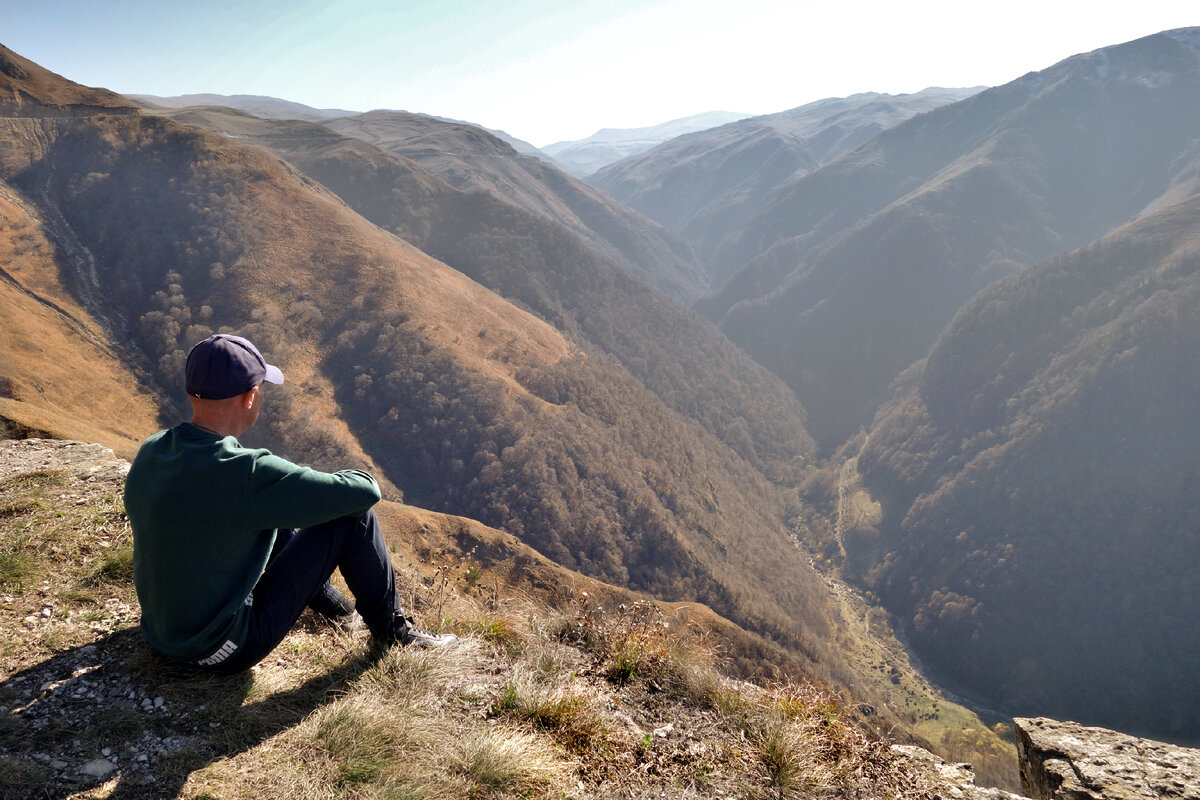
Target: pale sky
550, 70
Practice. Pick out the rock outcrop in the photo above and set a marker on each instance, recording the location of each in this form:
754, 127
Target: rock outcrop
944, 780
1068, 761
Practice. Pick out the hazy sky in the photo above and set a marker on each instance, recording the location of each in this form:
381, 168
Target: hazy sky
547, 70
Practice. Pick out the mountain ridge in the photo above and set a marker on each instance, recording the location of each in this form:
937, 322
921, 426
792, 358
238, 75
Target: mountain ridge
258, 105
467, 157
582, 157
706, 185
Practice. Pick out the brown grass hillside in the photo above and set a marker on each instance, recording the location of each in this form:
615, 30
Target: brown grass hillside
59, 373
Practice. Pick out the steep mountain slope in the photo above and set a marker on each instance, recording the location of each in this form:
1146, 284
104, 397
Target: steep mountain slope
849, 274
1037, 474
468, 158
461, 400
582, 157
706, 185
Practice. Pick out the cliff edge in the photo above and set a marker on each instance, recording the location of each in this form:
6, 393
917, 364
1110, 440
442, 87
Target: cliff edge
1068, 761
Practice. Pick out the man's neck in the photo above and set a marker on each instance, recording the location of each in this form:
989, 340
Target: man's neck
208, 428
217, 424
230, 416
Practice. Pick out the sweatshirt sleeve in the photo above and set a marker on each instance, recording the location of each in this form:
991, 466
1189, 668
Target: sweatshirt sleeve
280, 494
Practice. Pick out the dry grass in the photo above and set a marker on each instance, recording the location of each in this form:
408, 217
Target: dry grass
366, 741
636, 642
60, 375
560, 707
582, 702
500, 762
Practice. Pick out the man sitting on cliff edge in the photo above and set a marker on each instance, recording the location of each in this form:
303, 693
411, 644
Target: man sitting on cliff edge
231, 544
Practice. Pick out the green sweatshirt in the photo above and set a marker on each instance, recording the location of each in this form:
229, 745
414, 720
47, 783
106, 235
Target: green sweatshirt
204, 512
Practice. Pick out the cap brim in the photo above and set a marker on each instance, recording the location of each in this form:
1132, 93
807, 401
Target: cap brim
274, 375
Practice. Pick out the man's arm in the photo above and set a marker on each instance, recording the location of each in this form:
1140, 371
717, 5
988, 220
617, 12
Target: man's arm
281, 494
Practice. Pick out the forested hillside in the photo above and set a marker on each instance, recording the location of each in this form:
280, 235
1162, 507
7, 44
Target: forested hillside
1037, 477
471, 159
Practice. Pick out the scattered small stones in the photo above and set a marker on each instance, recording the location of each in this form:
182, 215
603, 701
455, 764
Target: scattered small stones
62, 701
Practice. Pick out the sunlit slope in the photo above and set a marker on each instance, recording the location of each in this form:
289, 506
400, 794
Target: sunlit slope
60, 375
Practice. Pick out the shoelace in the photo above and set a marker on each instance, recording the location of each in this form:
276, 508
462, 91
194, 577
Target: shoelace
414, 631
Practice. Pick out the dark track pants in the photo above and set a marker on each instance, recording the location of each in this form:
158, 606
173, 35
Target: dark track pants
298, 574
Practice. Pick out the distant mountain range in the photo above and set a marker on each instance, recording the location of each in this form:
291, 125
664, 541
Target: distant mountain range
582, 157
843, 278
706, 185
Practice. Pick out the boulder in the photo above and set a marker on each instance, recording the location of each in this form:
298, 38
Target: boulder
1068, 761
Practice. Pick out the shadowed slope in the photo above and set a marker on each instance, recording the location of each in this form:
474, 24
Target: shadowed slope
848, 275
1037, 473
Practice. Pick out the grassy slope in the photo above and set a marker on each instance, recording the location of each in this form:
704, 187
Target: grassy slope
561, 686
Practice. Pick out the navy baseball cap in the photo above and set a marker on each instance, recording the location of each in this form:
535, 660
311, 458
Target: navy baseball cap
224, 366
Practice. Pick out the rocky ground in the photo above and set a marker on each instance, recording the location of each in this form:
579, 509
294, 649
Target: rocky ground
73, 709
